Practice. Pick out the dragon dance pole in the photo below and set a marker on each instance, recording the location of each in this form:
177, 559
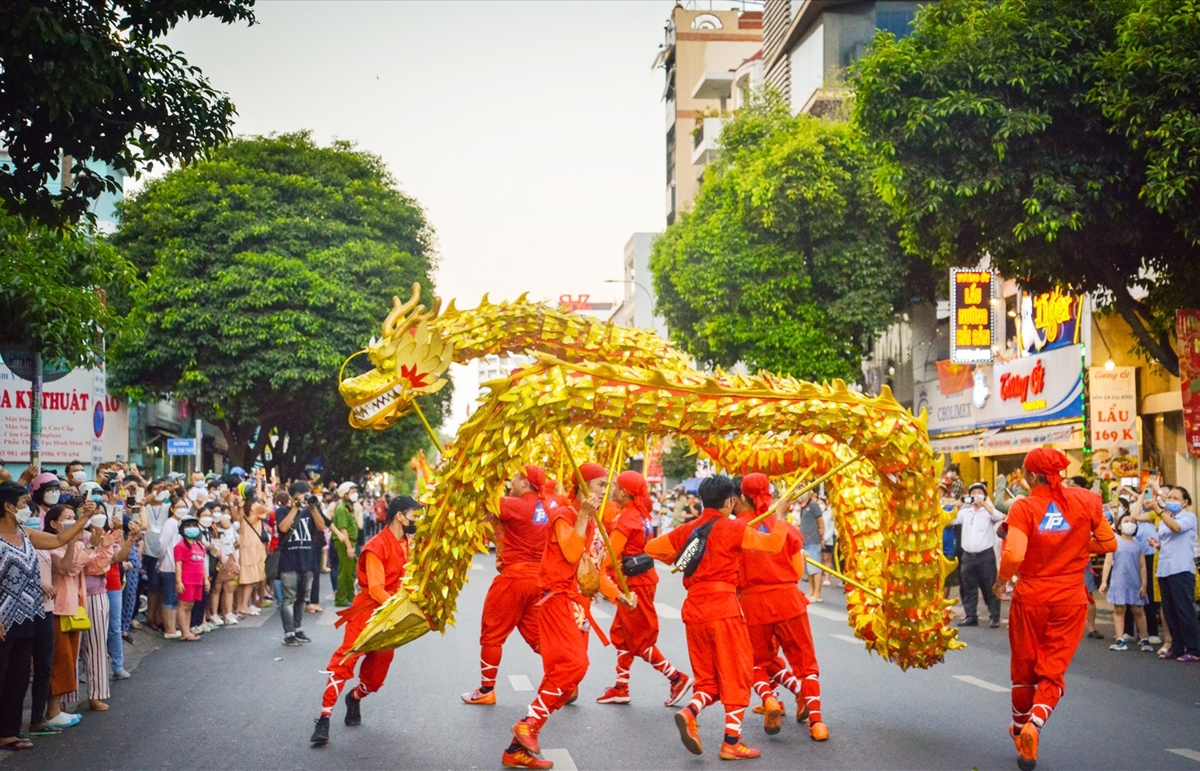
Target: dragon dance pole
612, 556
806, 488
845, 578
429, 429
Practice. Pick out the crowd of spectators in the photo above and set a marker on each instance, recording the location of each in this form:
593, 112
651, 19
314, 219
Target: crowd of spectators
84, 562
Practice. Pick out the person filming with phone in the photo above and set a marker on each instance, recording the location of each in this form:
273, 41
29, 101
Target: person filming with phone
978, 518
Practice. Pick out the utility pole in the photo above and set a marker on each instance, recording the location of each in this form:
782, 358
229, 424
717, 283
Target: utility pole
35, 413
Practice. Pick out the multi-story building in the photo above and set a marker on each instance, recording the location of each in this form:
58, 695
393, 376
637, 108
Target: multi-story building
637, 305
702, 51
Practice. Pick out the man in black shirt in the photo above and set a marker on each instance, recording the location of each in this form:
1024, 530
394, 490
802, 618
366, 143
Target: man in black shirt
298, 523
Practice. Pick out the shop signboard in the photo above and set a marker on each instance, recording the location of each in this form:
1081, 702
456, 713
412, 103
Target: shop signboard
1044, 387
972, 316
1187, 328
1049, 321
1024, 440
949, 412
80, 420
1113, 398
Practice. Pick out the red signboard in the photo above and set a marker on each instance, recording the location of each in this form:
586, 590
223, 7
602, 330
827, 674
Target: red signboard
1188, 330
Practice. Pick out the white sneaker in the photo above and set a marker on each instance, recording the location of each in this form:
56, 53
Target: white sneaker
215, 620
64, 720
255, 610
172, 635
198, 630
231, 619
1155, 640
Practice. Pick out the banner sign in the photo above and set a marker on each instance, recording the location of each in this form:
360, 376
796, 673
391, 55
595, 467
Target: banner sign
1114, 421
1187, 328
80, 421
972, 317
1049, 321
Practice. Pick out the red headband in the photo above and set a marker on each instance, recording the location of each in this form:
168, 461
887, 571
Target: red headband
635, 484
757, 487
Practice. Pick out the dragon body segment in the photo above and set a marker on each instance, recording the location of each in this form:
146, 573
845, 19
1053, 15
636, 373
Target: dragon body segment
595, 377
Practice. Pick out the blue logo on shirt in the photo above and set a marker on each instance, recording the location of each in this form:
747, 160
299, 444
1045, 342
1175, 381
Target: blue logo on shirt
1053, 521
539, 515
762, 528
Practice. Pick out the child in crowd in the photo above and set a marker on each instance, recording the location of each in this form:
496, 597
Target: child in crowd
191, 574
228, 563
1124, 582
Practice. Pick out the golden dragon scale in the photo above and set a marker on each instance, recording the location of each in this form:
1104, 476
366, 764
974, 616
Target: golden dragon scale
599, 379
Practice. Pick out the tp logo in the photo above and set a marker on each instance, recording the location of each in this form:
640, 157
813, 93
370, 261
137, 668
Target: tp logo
1053, 521
539, 515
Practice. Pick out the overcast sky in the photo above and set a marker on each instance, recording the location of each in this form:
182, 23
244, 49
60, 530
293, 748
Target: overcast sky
531, 133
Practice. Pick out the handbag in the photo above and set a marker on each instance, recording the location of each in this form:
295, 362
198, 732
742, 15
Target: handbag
77, 622
588, 576
271, 566
262, 534
636, 564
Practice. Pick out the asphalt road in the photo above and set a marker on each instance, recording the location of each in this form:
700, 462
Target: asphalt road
241, 700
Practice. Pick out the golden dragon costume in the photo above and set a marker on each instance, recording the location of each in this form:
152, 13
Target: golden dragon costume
591, 376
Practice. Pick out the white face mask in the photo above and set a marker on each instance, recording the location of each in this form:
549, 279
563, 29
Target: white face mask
120, 475
198, 484
162, 496
98, 520
181, 513
206, 521
23, 514
65, 524
1128, 528
51, 497
78, 477
353, 497
236, 525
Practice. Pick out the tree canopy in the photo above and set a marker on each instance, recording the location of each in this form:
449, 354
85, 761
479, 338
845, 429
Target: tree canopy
993, 123
265, 265
84, 83
787, 261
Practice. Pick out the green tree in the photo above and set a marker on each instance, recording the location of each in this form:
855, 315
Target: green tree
990, 120
679, 461
786, 261
50, 291
83, 83
265, 265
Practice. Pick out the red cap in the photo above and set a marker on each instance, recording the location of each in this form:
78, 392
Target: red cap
635, 484
536, 476
1051, 463
758, 488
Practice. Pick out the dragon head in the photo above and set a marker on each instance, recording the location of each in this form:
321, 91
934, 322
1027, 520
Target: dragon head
409, 357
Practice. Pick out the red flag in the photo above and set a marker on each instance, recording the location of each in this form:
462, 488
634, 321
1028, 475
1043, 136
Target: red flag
953, 378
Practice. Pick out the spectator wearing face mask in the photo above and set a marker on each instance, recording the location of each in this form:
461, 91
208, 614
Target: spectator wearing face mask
228, 565
253, 553
191, 574
978, 517
106, 541
46, 491
344, 528
75, 474
1176, 572
157, 512
168, 580
1124, 583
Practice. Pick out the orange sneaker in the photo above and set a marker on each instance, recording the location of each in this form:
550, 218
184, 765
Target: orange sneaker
679, 689
527, 736
689, 732
759, 710
614, 695
738, 751
818, 731
774, 713
522, 759
1027, 744
478, 697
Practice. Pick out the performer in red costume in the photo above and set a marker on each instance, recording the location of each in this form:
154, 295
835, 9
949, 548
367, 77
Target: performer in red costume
634, 631
718, 642
522, 525
380, 570
564, 618
1050, 536
777, 614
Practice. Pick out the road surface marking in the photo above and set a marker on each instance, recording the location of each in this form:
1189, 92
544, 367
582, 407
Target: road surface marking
520, 683
983, 684
846, 638
666, 611
1189, 754
835, 615
562, 760
597, 613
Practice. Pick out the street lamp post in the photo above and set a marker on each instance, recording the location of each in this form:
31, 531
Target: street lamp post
637, 284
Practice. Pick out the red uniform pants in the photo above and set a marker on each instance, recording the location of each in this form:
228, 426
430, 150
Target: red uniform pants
636, 629
794, 635
341, 667
722, 661
1043, 639
562, 631
511, 603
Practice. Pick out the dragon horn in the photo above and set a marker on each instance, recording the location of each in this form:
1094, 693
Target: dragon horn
398, 310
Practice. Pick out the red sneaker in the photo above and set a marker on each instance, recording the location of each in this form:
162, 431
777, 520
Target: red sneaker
476, 697
689, 732
738, 751
679, 689
614, 695
1027, 746
773, 711
522, 759
527, 736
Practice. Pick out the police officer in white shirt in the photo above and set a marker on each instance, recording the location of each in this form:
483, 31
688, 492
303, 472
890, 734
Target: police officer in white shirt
978, 518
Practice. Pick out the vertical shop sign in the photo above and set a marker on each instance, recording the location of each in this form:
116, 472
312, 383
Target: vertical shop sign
972, 316
1187, 327
1113, 424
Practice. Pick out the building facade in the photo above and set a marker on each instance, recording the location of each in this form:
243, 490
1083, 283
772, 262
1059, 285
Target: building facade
637, 304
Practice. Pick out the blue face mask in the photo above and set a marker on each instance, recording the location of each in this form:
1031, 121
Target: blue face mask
33, 523
1173, 506
191, 532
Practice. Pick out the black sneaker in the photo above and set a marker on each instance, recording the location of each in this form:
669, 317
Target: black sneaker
353, 710
302, 637
968, 622
320, 734
995, 623
291, 642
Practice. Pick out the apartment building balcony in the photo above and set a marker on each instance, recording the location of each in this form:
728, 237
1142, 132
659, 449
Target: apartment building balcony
706, 142
825, 101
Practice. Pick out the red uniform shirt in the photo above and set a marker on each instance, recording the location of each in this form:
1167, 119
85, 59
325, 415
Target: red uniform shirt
712, 589
768, 581
393, 553
1056, 545
637, 530
521, 530
556, 572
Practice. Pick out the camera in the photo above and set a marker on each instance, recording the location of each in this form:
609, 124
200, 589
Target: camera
311, 500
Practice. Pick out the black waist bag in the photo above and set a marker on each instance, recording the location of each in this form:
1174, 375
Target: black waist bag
692, 552
637, 564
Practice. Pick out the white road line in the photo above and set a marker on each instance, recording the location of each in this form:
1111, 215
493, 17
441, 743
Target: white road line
1183, 752
835, 615
520, 683
846, 638
983, 684
597, 613
476, 566
666, 611
562, 760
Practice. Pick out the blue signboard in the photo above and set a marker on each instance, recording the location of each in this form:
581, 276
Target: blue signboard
181, 447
